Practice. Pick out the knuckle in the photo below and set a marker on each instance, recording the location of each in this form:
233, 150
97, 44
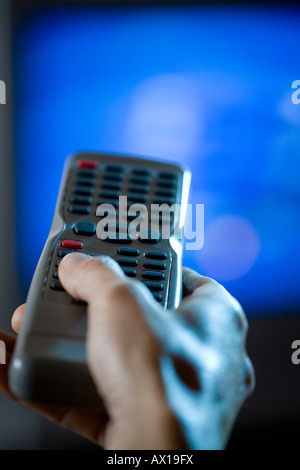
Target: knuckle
248, 376
89, 265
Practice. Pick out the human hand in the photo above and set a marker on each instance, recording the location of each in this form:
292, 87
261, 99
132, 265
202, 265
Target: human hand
169, 380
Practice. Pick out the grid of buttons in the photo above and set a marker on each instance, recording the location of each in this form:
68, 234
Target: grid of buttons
94, 183
129, 259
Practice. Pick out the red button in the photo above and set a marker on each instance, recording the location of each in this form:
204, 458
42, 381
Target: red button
71, 244
91, 164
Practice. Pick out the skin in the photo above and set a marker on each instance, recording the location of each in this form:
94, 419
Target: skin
169, 380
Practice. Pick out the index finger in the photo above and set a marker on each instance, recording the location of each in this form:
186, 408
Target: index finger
191, 281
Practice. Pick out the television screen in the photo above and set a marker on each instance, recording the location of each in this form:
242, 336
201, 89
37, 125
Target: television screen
208, 86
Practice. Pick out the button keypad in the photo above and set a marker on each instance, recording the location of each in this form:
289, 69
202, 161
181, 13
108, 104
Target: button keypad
93, 183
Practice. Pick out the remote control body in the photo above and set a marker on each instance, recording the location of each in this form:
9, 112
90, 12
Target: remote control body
49, 363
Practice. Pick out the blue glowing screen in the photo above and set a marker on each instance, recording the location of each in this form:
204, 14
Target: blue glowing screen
207, 86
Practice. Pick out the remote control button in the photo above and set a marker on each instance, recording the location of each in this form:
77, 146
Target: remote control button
137, 198
127, 262
56, 285
141, 181
55, 275
113, 237
164, 193
128, 251
58, 263
140, 172
79, 209
64, 253
149, 236
166, 184
109, 195
155, 265
87, 173
89, 164
153, 275
81, 200
112, 202
85, 182
85, 228
113, 186
157, 297
83, 191
130, 272
138, 189
72, 245
113, 177
114, 168
156, 255
163, 201
154, 286
168, 176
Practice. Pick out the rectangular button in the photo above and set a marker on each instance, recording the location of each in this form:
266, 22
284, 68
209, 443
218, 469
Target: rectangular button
156, 255
127, 262
130, 272
72, 245
142, 181
114, 168
153, 275
83, 191
79, 209
112, 177
81, 200
165, 193
109, 195
85, 228
90, 164
168, 176
85, 182
157, 297
155, 265
140, 172
128, 251
138, 189
64, 253
154, 286
137, 198
113, 237
166, 184
113, 186
112, 202
87, 173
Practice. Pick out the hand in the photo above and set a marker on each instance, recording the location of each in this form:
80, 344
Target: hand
169, 380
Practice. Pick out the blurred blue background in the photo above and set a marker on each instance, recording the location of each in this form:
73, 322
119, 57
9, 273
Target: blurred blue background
207, 86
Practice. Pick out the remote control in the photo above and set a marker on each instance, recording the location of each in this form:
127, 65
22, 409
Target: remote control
49, 362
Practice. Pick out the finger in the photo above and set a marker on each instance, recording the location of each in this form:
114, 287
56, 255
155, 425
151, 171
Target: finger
204, 287
191, 281
207, 302
17, 318
100, 269
121, 345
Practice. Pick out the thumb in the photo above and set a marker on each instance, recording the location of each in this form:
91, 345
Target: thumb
121, 347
